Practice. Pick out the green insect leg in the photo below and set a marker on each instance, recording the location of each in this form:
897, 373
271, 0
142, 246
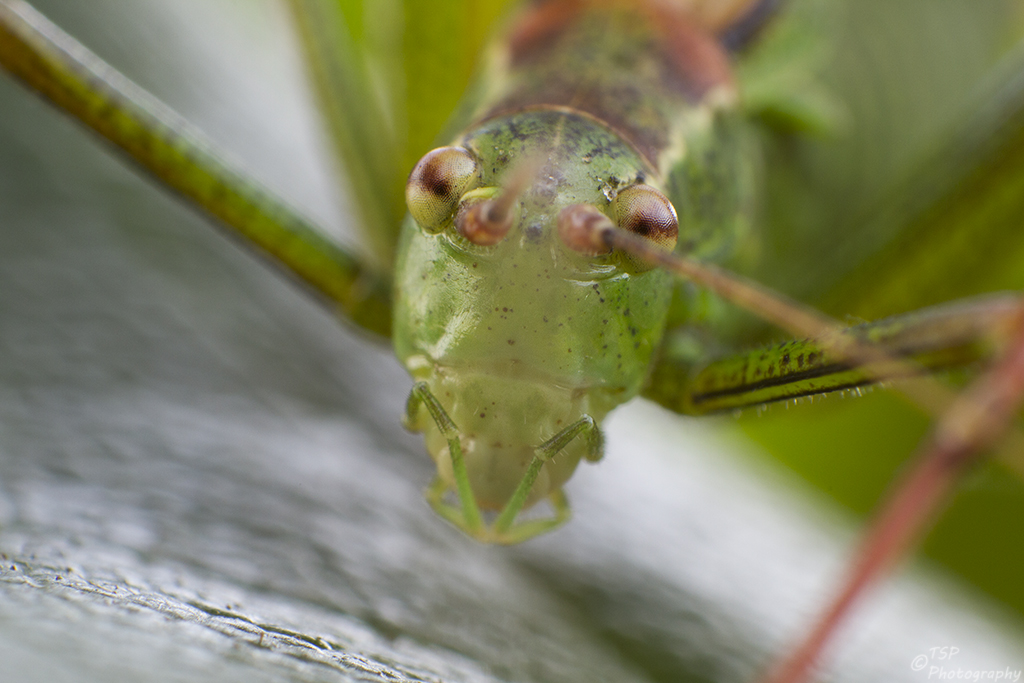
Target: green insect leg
467, 516
947, 336
506, 529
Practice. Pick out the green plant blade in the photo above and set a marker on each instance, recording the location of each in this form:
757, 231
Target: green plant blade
388, 76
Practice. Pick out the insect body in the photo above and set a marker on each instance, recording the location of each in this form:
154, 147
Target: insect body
521, 337
493, 357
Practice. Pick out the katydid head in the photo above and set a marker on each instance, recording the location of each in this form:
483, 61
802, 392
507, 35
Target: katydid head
518, 339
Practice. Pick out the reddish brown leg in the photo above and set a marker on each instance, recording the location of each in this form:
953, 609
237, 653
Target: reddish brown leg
973, 424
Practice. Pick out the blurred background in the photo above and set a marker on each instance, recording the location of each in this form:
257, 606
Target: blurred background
203, 476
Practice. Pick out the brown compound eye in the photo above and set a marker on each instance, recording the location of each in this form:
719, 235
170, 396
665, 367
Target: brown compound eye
437, 183
644, 211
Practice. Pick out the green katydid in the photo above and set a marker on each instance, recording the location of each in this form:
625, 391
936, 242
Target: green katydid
372, 291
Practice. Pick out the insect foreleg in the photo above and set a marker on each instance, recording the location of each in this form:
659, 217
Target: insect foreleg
468, 518
584, 428
936, 338
76, 81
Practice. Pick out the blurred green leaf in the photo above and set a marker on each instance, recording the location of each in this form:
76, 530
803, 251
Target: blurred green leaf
389, 75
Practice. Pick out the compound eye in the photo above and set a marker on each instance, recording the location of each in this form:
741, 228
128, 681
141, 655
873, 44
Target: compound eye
645, 211
437, 183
